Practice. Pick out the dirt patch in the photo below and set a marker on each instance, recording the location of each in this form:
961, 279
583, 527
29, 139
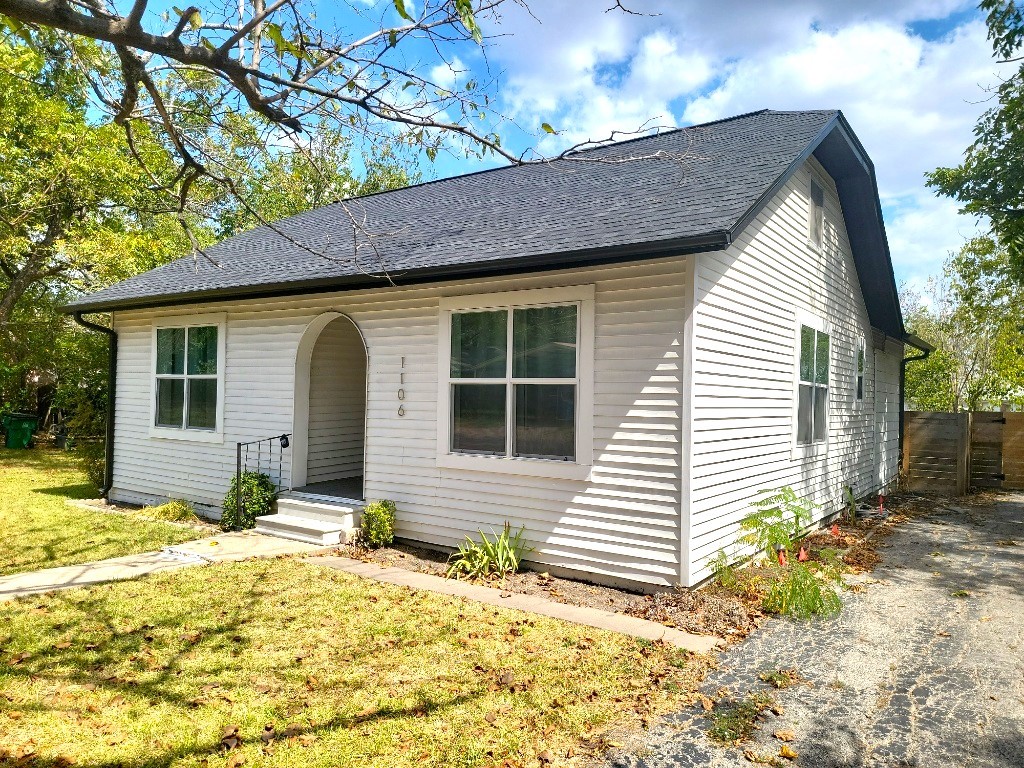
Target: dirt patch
731, 614
708, 611
711, 610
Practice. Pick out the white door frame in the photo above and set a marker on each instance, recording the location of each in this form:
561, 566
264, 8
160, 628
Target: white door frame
300, 409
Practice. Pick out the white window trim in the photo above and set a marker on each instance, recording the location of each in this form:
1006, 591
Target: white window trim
218, 319
583, 295
819, 448
860, 348
812, 182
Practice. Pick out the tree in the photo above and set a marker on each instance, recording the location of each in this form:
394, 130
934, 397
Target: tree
972, 314
363, 70
78, 212
990, 180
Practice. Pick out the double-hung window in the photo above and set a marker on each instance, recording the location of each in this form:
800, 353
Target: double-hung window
188, 379
812, 406
513, 377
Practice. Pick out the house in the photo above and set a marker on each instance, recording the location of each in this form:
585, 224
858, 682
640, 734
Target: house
616, 350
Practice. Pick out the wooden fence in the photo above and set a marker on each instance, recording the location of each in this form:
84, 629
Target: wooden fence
954, 452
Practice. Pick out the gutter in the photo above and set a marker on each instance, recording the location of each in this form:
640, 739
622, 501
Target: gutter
108, 457
926, 349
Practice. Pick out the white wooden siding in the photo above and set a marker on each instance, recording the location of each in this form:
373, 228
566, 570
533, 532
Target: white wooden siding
337, 404
743, 359
622, 523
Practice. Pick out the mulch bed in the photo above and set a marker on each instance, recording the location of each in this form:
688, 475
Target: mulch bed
709, 610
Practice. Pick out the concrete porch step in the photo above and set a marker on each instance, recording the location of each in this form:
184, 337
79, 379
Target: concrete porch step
311, 530
344, 513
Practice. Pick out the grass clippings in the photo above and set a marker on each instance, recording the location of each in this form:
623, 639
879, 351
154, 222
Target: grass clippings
40, 530
734, 722
780, 678
283, 663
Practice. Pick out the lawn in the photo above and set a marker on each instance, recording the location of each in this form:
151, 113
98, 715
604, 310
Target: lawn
40, 531
286, 663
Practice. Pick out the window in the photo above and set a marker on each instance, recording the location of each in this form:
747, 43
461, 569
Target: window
517, 382
860, 369
187, 378
513, 379
817, 219
812, 407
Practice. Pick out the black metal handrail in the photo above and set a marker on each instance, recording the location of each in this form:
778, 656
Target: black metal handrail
242, 452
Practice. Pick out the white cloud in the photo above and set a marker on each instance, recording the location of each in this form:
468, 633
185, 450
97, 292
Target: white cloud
923, 230
912, 101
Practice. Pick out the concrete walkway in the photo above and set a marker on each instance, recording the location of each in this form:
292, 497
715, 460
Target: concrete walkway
240, 545
925, 667
591, 617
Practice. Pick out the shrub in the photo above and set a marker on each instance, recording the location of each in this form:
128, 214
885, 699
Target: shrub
377, 527
92, 458
258, 495
802, 594
489, 557
778, 518
175, 510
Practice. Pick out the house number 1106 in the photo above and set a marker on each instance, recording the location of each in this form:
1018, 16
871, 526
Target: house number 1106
401, 388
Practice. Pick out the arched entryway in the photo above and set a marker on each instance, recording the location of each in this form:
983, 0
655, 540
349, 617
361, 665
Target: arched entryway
330, 409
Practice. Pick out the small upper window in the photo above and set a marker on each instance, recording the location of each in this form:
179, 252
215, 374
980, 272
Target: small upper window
817, 213
860, 369
186, 377
812, 410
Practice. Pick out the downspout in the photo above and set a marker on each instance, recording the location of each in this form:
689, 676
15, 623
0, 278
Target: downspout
108, 457
926, 350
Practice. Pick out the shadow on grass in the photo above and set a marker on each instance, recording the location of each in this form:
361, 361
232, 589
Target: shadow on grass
204, 657
77, 491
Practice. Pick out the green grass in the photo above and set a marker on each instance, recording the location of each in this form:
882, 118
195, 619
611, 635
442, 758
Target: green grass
339, 670
40, 531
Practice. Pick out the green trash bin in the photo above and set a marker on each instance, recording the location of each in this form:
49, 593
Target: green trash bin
19, 428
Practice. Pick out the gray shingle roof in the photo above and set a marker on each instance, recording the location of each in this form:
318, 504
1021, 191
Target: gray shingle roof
679, 188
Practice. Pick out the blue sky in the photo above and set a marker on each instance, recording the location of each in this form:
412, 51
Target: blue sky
910, 77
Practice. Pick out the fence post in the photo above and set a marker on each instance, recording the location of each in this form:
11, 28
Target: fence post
963, 452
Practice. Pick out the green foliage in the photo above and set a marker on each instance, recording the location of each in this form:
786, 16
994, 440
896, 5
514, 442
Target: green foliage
258, 494
778, 518
801, 594
377, 527
971, 315
737, 721
724, 572
175, 511
490, 557
990, 180
92, 459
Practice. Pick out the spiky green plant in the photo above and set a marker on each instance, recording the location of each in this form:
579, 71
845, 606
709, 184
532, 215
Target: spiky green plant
801, 594
490, 557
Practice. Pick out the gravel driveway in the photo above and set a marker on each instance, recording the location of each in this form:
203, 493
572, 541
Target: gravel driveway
925, 667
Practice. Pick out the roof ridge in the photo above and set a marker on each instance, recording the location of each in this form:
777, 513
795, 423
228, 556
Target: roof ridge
666, 132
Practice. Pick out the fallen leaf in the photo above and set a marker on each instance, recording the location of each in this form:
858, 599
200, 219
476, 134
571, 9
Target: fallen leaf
707, 703
787, 752
546, 758
236, 759
62, 646
784, 735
